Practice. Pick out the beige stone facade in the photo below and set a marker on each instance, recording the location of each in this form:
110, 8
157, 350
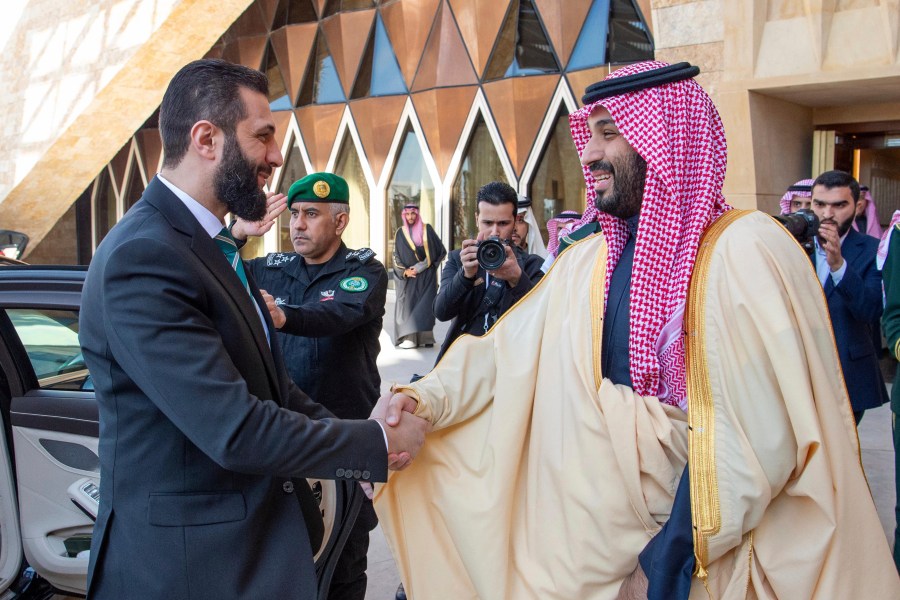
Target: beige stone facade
79, 84
779, 70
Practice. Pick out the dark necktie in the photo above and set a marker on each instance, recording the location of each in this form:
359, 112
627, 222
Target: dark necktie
229, 248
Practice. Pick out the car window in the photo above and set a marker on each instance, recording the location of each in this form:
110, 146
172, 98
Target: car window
50, 338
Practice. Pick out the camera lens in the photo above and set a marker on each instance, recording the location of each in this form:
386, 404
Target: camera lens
491, 254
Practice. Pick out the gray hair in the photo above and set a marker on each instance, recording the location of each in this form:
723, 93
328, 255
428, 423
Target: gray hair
338, 208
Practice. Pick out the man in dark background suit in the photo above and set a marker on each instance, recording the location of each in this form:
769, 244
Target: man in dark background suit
845, 263
201, 429
471, 296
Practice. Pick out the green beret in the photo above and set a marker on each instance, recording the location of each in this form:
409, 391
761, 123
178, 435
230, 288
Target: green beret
319, 187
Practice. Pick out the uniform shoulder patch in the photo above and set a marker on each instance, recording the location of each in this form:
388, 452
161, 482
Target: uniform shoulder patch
276, 259
354, 284
363, 255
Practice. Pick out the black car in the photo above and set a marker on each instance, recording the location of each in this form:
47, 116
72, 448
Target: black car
49, 472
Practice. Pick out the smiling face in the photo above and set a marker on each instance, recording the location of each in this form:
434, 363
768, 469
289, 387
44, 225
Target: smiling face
618, 170
249, 157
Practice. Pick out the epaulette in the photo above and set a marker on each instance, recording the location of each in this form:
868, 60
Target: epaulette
277, 259
363, 255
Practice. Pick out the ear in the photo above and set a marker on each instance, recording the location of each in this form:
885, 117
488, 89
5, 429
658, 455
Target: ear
206, 139
340, 222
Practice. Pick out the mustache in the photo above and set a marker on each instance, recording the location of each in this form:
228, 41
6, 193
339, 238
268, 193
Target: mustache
601, 165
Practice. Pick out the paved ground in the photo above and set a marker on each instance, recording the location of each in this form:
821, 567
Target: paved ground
398, 365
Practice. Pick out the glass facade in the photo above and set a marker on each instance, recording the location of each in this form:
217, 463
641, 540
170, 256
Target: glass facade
293, 169
321, 84
481, 164
558, 182
410, 184
379, 74
427, 58
104, 206
350, 168
522, 47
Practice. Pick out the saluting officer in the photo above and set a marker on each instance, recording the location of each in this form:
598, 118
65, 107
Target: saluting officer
327, 302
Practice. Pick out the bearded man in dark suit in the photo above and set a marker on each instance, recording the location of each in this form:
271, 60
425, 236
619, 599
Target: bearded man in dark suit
201, 429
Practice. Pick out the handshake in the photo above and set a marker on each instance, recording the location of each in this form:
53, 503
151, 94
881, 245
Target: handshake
405, 431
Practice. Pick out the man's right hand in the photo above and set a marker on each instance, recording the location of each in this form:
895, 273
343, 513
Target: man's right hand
468, 256
405, 434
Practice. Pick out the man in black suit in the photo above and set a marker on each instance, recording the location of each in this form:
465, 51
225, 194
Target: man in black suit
475, 298
845, 263
201, 429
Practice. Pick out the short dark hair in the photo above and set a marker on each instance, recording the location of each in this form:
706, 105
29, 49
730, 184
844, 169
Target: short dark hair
838, 179
498, 193
208, 90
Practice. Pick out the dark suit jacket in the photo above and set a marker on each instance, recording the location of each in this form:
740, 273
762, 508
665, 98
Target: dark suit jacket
854, 304
200, 426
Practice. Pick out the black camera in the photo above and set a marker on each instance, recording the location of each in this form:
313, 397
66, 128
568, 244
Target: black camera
491, 253
803, 225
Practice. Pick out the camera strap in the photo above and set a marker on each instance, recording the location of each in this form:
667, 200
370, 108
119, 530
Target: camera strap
493, 291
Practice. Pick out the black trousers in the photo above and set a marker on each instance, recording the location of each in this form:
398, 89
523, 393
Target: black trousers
349, 579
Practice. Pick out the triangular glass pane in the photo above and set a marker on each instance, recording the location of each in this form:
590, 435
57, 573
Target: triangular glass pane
480, 165
379, 74
350, 168
135, 188
335, 6
522, 47
104, 208
590, 49
321, 84
278, 95
629, 39
558, 182
293, 169
291, 12
410, 184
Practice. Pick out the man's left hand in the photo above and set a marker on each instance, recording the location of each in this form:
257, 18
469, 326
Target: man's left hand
278, 317
275, 205
509, 271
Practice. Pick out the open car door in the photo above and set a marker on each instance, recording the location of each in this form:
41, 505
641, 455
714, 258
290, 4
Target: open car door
49, 440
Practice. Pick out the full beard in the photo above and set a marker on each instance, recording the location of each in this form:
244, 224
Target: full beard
625, 198
843, 227
236, 184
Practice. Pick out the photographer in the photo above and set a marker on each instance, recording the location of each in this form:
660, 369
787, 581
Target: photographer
472, 296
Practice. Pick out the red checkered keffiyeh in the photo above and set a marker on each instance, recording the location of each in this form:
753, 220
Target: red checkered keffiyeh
417, 231
873, 227
788, 195
675, 128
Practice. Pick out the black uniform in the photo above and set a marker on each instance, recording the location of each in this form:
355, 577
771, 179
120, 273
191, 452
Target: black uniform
330, 344
334, 314
474, 306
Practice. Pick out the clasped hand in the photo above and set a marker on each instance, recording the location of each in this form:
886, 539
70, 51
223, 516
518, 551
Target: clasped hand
405, 432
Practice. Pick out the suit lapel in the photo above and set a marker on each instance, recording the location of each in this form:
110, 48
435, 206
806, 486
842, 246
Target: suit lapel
212, 258
850, 249
853, 246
